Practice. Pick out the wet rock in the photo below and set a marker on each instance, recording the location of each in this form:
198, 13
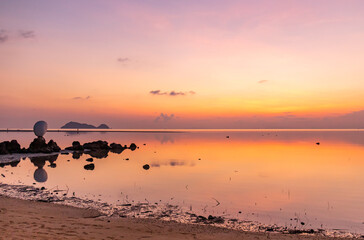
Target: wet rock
77, 146
116, 148
39, 145
9, 147
89, 166
96, 145
146, 166
89, 159
133, 146
214, 219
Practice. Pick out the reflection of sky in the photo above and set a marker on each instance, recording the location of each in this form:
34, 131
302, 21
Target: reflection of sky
273, 175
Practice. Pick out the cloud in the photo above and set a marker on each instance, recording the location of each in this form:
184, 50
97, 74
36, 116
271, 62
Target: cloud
27, 34
157, 92
171, 93
262, 81
164, 117
123, 60
81, 98
3, 36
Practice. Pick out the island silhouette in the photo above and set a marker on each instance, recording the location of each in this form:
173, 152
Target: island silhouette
77, 125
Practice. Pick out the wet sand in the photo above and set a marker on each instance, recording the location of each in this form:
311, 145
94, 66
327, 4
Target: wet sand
22, 219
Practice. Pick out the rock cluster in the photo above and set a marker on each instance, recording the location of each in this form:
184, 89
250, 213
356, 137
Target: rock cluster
99, 149
38, 145
9, 147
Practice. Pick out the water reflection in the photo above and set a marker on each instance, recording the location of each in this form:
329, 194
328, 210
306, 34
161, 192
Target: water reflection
40, 174
280, 178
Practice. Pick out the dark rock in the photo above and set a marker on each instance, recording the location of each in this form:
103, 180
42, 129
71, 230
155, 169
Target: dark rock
146, 166
214, 219
116, 148
3, 149
89, 166
318, 143
9, 147
13, 147
227, 137
52, 145
96, 145
77, 146
39, 145
89, 159
132, 146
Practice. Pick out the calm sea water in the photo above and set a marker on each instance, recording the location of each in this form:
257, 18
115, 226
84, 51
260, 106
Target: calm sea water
274, 177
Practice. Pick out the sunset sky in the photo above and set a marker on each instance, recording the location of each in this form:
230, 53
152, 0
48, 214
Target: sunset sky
183, 64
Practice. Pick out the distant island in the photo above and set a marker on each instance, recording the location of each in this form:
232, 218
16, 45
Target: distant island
76, 125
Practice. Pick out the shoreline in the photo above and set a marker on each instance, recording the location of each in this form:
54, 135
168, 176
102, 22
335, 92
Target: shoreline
153, 216
41, 220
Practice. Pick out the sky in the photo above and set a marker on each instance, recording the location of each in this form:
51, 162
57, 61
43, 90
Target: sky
182, 64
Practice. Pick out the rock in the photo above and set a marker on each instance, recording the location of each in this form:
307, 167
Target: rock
77, 146
214, 219
116, 148
52, 145
39, 145
146, 166
89, 166
9, 147
13, 146
3, 149
132, 146
96, 145
89, 159
318, 143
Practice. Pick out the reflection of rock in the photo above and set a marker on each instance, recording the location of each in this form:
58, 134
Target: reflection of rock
9, 147
12, 164
40, 160
39, 145
89, 166
76, 155
99, 153
40, 175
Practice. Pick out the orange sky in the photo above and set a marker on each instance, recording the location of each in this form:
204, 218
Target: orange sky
98, 61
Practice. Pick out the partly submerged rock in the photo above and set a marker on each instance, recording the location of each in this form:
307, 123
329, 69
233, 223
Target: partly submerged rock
146, 166
89, 166
96, 145
9, 147
39, 145
133, 146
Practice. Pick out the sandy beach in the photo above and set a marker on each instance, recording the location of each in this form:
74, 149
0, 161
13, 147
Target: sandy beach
21, 219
